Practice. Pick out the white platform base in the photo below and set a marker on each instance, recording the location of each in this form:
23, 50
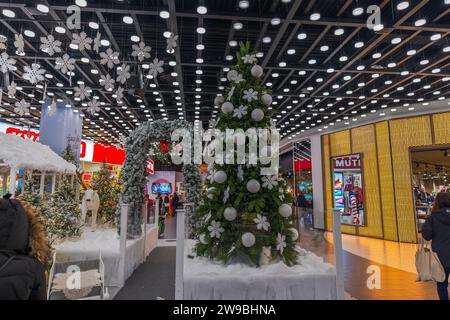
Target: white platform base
312, 279
106, 241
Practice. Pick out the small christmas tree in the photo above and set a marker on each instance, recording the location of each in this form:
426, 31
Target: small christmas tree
245, 216
108, 189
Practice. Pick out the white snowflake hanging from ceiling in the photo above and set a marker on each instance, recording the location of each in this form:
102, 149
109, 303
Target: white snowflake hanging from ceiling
156, 67
19, 43
7, 64
22, 107
119, 94
83, 92
3, 41
123, 74
52, 108
50, 45
93, 107
107, 82
34, 74
12, 89
109, 58
97, 42
141, 51
65, 63
82, 41
172, 43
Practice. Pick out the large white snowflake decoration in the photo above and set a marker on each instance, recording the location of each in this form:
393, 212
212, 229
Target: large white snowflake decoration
7, 64
22, 107
269, 182
281, 243
19, 43
3, 40
65, 63
12, 89
83, 92
109, 58
107, 82
119, 94
97, 42
156, 67
141, 51
34, 74
50, 45
52, 108
123, 74
249, 58
262, 223
93, 107
250, 95
82, 41
172, 43
215, 229
240, 112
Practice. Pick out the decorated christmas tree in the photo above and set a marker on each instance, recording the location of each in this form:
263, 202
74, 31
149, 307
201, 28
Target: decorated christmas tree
108, 189
245, 216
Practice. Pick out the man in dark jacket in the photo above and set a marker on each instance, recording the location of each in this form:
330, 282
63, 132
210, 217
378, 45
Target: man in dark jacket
22, 277
437, 229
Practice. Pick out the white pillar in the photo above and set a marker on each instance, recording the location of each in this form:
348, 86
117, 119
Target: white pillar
42, 185
317, 182
179, 267
4, 184
12, 182
53, 183
339, 264
23, 181
123, 242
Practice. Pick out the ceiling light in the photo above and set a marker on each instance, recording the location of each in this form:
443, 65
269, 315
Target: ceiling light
9, 13
330, 70
259, 54
93, 25
85, 60
282, 64
411, 52
339, 32
275, 21
378, 27
435, 37
324, 48
73, 46
446, 49
392, 65
358, 11
229, 57
202, 10
312, 61
403, 5
360, 67
267, 40
201, 30
291, 51
343, 58
396, 40
81, 3
42, 8
105, 43
420, 22
135, 38
359, 44
60, 29
315, 16
200, 47
244, 4
376, 55
301, 36
424, 62
238, 25
404, 73
164, 14
29, 33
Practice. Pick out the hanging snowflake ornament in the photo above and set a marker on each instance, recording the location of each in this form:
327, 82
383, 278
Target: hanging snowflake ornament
238, 78
240, 112
19, 43
65, 63
156, 67
250, 95
119, 94
262, 223
249, 58
50, 45
52, 108
12, 89
226, 195
107, 82
211, 176
97, 42
7, 64
34, 74
269, 182
123, 74
215, 229
22, 107
82, 41
83, 92
172, 43
93, 107
109, 58
141, 51
3, 41
281, 243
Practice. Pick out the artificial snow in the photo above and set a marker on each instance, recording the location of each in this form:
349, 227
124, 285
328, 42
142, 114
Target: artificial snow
311, 279
19, 153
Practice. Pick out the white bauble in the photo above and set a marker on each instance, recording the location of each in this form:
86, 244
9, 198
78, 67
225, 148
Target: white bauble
230, 214
202, 239
257, 115
257, 71
253, 186
285, 210
227, 107
294, 234
248, 240
219, 100
266, 99
232, 75
210, 196
220, 177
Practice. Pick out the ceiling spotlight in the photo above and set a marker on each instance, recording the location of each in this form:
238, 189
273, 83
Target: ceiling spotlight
378, 27
360, 68
403, 5
275, 21
411, 52
135, 38
200, 47
81, 3
343, 58
396, 40
291, 51
267, 40
42, 8
324, 48
202, 10
420, 22
127, 19
376, 55
358, 11
315, 16
301, 36
359, 44
233, 43
259, 54
8, 13
29, 33
201, 30
446, 49
229, 57
59, 29
339, 32
93, 25
164, 14
312, 61
244, 4
282, 64
238, 25
105, 42
392, 65
435, 37
167, 34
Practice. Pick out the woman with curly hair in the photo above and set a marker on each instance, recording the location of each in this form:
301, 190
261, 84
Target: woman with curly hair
24, 252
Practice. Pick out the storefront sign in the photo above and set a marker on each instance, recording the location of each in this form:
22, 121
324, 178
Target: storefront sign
347, 163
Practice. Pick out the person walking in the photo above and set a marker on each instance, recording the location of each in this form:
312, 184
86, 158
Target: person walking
24, 252
175, 203
437, 230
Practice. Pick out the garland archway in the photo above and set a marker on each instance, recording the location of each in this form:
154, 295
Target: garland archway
134, 172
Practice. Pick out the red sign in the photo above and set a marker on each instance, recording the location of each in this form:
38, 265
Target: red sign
347, 162
24, 134
302, 165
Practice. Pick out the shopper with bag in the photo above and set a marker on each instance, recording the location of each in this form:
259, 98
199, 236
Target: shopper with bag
437, 229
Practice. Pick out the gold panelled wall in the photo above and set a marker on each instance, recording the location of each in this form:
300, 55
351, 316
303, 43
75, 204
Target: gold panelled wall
364, 141
387, 171
340, 144
441, 126
406, 133
386, 181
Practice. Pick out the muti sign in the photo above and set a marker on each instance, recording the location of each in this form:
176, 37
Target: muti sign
347, 162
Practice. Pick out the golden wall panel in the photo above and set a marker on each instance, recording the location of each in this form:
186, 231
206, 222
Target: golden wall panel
386, 181
364, 142
441, 125
405, 133
340, 144
327, 181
